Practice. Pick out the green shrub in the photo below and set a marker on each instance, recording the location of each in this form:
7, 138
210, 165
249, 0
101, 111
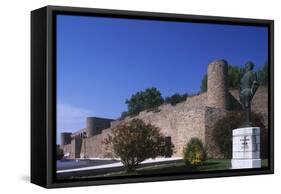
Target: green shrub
222, 132
194, 152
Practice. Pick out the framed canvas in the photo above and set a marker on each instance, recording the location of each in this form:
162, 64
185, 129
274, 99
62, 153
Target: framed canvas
127, 96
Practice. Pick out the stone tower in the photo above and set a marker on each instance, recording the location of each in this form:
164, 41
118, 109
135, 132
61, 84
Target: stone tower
65, 138
217, 92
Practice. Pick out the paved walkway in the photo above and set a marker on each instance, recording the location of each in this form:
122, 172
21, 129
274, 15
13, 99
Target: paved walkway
77, 164
100, 163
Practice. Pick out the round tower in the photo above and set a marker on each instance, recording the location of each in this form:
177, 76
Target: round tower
65, 138
217, 91
95, 125
90, 126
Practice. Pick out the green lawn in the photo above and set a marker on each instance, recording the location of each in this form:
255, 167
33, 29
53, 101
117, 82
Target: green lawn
179, 166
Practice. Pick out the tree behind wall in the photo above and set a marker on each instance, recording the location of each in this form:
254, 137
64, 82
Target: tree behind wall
235, 74
204, 82
176, 98
143, 100
262, 75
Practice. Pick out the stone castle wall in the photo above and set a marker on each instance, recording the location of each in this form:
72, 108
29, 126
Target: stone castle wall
259, 103
182, 121
194, 117
212, 115
68, 149
95, 146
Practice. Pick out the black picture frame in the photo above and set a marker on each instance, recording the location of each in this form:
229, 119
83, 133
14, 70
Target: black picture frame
43, 94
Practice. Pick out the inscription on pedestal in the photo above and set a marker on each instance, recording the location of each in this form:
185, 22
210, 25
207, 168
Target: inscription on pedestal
246, 141
246, 148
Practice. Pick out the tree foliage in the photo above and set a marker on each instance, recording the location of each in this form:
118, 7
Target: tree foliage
176, 98
262, 75
194, 152
150, 98
135, 141
204, 83
222, 132
234, 76
123, 115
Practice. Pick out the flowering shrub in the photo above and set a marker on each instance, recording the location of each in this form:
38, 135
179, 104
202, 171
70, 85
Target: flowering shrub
194, 152
136, 141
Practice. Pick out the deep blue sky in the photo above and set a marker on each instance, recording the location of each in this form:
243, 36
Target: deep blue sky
101, 62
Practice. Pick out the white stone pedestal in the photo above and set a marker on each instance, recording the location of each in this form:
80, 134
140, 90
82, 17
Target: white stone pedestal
246, 148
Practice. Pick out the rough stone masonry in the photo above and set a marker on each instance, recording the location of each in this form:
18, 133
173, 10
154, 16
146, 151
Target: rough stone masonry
194, 117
